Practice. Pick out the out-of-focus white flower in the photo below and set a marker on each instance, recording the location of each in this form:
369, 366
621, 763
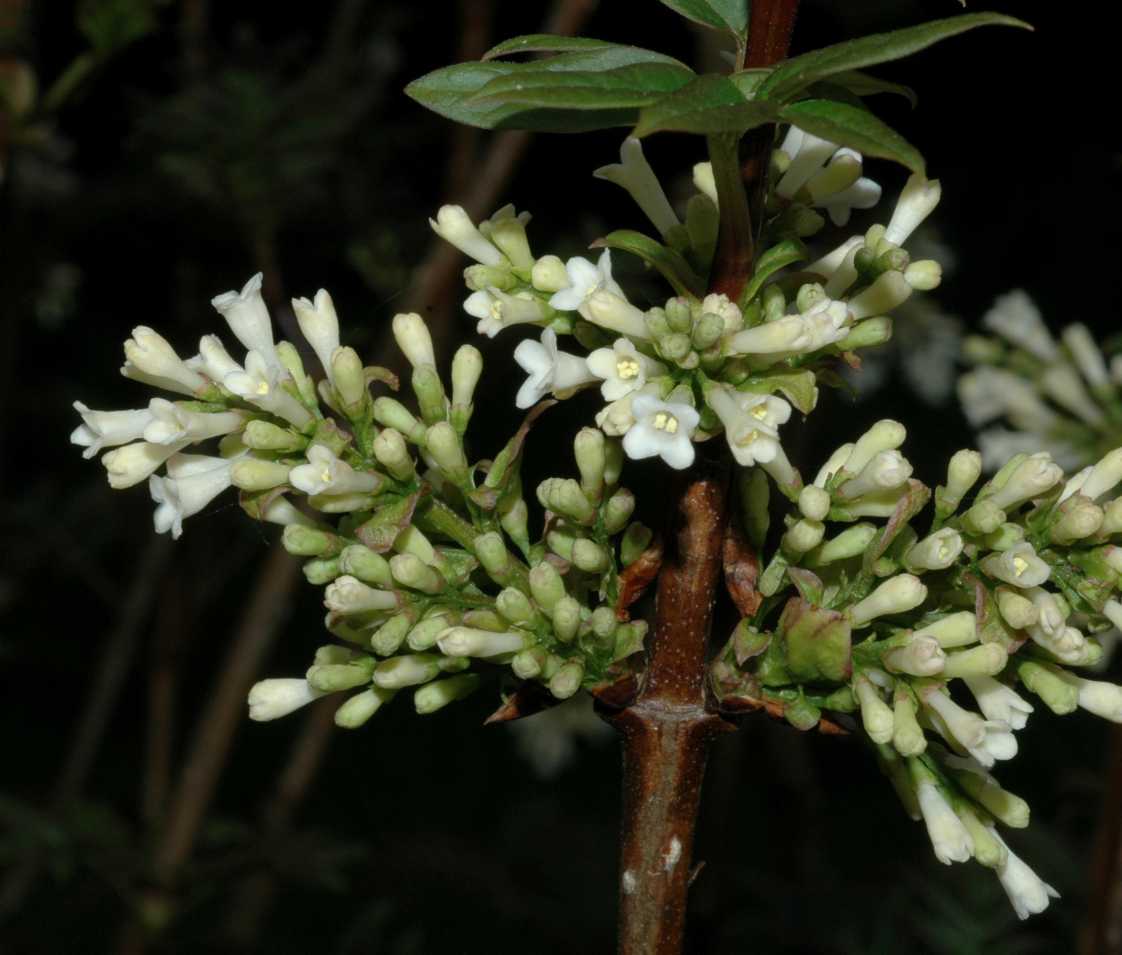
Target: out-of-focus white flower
949, 837
497, 310
992, 392
151, 360
585, 279
246, 314
171, 423
661, 429
107, 429
192, 482
259, 384
999, 702
272, 699
634, 174
1029, 894
751, 422
1063, 385
917, 201
1087, 355
623, 368
1015, 317
327, 474
549, 370
319, 324
454, 226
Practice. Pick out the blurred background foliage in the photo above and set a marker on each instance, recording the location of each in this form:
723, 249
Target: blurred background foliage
156, 152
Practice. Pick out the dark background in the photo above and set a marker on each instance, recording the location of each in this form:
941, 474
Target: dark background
276, 137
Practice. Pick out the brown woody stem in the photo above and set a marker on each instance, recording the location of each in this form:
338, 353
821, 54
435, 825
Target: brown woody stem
667, 729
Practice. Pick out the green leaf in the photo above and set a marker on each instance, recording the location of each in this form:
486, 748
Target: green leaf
669, 263
865, 85
624, 87
798, 73
852, 126
777, 257
798, 386
611, 54
709, 104
729, 15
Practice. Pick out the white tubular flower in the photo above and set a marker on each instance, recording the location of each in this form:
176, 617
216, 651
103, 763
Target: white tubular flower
949, 838
896, 595
454, 226
616, 418
319, 324
151, 360
171, 423
985, 740
661, 429
326, 474
1087, 355
884, 435
864, 193
916, 203
808, 154
781, 470
1097, 696
550, 370
876, 715
623, 368
107, 429
348, 594
1019, 566
193, 481
832, 261
282, 512
889, 291
616, 314
886, 471
248, 318
999, 702
585, 279
954, 630
704, 181
1035, 476
1104, 476
1075, 483
791, 333
935, 552
469, 642
1051, 617
634, 174
1028, 893
827, 322
1015, 317
258, 384
413, 338
1064, 386
135, 462
920, 656
751, 422
497, 310
272, 699
213, 359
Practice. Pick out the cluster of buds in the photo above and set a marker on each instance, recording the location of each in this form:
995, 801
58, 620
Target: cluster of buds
426, 557
903, 626
700, 365
1063, 396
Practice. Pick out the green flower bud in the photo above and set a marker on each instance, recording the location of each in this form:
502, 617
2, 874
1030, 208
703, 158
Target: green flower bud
636, 539
392, 453
387, 639
679, 315
320, 572
674, 347
527, 664
907, 736
391, 413
984, 790
814, 503
447, 451
408, 670
367, 566
485, 620
301, 541
618, 510
567, 680
590, 556
1016, 610
470, 642
589, 451
802, 536
984, 517
560, 541
514, 518
877, 718
602, 622
987, 850
566, 618
1004, 537
988, 659
360, 707
429, 390
564, 496
266, 436
425, 634
433, 696
867, 334
509, 234
708, 331
613, 462
480, 278
493, 555
774, 302
467, 366
1045, 681
658, 327
963, 471
549, 274
256, 474
954, 630
515, 606
1077, 519
546, 586
290, 359
349, 378
410, 571
333, 678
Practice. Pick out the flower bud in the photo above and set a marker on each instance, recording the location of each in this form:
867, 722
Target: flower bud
1033, 477
467, 366
875, 714
988, 659
454, 226
984, 517
334, 678
851, 542
895, 595
509, 234
266, 436
566, 618
937, 551
963, 471
387, 639
272, 699
924, 275
424, 635
349, 595
447, 451
546, 586
493, 555
1105, 475
257, 474
410, 571
1047, 683
433, 696
391, 413
1079, 517
889, 291
916, 202
802, 536
348, 377
588, 447
361, 707
528, 664
1016, 610
468, 642
590, 556
867, 334
618, 511
887, 470
564, 496
920, 656
885, 435
610, 311
907, 735
814, 503
549, 274
303, 541
635, 540
429, 389
567, 680
407, 670
985, 790
513, 604
392, 453
954, 630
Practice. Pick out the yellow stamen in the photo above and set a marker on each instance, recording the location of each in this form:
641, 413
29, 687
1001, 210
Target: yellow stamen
664, 421
1020, 565
627, 368
263, 388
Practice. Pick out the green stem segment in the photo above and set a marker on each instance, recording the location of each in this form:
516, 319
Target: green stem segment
735, 242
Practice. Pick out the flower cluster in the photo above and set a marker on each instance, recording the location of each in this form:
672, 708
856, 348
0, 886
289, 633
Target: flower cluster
905, 626
1061, 396
701, 364
426, 557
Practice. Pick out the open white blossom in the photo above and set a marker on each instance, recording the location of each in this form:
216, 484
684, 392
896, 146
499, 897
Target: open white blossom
497, 310
107, 429
151, 360
999, 702
661, 429
751, 422
248, 317
272, 699
319, 324
623, 368
1017, 319
327, 474
549, 370
259, 384
1028, 893
171, 423
454, 226
585, 279
133, 463
192, 482
949, 837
